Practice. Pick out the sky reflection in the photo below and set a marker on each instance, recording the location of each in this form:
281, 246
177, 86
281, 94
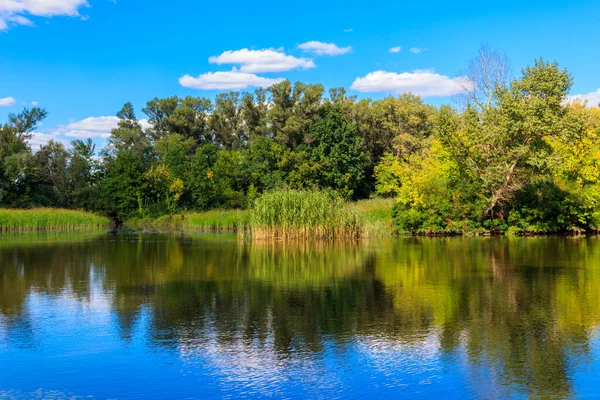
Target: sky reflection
154, 316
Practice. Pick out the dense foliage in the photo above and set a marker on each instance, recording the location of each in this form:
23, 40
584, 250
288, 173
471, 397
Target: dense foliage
514, 156
526, 162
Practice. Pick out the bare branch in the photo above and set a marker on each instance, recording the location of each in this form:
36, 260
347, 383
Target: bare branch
485, 73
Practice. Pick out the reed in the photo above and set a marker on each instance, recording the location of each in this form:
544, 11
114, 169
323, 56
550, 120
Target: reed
295, 214
38, 219
289, 214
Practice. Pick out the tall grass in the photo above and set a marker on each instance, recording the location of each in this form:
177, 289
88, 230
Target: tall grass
375, 216
214, 220
289, 214
37, 219
293, 214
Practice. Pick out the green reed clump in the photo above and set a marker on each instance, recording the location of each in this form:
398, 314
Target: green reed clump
37, 219
214, 220
296, 214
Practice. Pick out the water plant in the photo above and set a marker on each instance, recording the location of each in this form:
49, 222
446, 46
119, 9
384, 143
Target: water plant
303, 214
213, 220
37, 219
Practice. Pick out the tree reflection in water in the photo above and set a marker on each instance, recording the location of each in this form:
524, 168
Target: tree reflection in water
513, 316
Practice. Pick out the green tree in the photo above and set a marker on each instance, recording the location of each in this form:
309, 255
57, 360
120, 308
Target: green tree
15, 154
226, 121
333, 143
395, 125
201, 178
262, 165
162, 191
51, 168
84, 173
127, 157
254, 110
501, 148
293, 111
188, 117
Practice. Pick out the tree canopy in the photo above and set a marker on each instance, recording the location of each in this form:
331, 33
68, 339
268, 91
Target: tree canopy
514, 155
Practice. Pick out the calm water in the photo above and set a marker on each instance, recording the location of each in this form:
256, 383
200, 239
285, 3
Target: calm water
170, 316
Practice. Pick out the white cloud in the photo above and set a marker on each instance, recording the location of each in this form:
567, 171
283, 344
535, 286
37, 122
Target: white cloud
267, 60
396, 49
348, 30
15, 12
39, 139
232, 80
7, 19
420, 82
145, 124
7, 101
91, 127
34, 103
321, 49
592, 99
416, 50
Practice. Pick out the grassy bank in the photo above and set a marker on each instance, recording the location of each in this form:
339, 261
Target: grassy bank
38, 219
210, 221
288, 214
375, 216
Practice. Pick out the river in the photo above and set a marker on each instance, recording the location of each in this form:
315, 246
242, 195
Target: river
141, 315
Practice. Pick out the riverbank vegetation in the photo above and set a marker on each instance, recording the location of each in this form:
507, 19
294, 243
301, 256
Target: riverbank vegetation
49, 219
288, 214
515, 156
295, 214
206, 221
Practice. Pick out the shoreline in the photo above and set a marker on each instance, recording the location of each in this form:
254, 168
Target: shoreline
374, 217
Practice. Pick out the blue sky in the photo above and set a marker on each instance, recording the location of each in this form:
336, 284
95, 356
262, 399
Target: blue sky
81, 60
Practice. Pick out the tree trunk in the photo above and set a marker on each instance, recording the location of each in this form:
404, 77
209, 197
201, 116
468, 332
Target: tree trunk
502, 190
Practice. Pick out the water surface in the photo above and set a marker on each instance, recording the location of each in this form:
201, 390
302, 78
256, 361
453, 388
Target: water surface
157, 316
